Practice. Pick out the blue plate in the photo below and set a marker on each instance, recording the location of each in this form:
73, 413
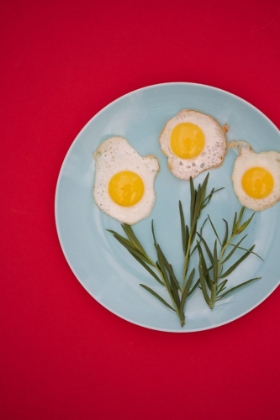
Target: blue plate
104, 268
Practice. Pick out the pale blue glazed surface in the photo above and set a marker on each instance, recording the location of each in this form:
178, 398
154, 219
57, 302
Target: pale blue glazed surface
104, 268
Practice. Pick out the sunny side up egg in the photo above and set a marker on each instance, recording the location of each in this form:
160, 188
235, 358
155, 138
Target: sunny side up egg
256, 176
193, 142
124, 181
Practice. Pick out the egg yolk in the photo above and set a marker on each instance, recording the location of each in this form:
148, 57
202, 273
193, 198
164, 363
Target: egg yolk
187, 140
257, 182
126, 188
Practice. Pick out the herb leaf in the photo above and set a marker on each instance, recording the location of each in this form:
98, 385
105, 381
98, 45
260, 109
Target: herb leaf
157, 296
236, 264
186, 290
184, 229
237, 287
214, 230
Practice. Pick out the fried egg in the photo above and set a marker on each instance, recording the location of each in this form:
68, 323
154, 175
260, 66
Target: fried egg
124, 181
193, 143
256, 177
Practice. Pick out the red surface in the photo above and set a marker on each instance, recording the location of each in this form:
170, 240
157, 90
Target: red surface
63, 356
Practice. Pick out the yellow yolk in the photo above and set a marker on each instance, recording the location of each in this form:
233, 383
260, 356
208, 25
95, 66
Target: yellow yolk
126, 188
257, 182
187, 140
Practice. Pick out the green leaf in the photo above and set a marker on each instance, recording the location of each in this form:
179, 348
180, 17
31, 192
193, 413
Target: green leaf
162, 266
134, 251
118, 236
131, 236
236, 264
187, 238
244, 225
203, 285
172, 276
193, 250
157, 296
147, 268
234, 224
123, 241
202, 226
137, 255
215, 263
172, 285
183, 229
235, 247
175, 295
237, 287
193, 196
214, 230
207, 199
205, 182
209, 253
153, 233
209, 196
197, 206
240, 215
221, 286
193, 288
199, 233
213, 295
186, 290
204, 267
226, 234
244, 249
203, 189
158, 266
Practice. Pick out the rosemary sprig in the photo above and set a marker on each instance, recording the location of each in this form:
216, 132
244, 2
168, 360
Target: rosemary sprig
213, 279
161, 270
198, 202
134, 247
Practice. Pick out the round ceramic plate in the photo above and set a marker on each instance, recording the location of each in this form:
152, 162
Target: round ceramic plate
105, 269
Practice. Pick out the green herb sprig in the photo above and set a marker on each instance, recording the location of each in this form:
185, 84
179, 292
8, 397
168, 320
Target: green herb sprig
161, 270
213, 278
198, 202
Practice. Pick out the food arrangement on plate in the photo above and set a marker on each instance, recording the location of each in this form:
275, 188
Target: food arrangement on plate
211, 218
193, 142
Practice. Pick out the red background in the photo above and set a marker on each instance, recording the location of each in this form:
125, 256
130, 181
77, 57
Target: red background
63, 356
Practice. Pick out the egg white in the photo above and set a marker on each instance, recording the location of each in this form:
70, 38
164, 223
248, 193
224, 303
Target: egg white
213, 153
247, 158
112, 156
